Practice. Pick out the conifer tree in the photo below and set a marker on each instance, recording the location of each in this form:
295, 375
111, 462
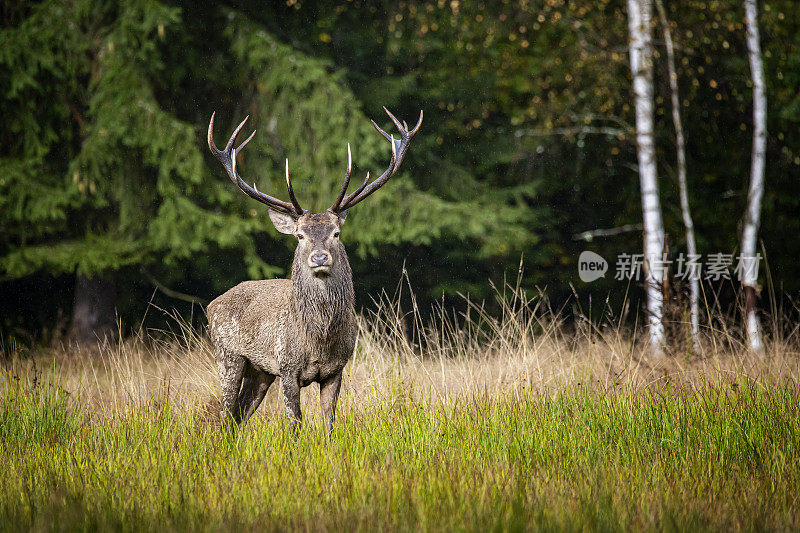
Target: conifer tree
104, 160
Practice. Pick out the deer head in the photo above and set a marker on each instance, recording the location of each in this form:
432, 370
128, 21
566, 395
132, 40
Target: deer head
318, 249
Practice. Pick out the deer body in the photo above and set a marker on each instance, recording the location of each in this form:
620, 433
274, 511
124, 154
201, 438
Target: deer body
257, 321
302, 330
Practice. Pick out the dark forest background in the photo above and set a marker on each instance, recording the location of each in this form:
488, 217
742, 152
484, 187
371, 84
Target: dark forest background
107, 185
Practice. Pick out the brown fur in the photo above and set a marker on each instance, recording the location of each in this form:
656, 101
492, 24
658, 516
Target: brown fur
301, 330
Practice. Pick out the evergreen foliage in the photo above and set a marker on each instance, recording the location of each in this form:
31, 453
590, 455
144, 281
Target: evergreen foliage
526, 140
114, 179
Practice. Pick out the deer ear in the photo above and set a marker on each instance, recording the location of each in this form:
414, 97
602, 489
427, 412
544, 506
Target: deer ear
342, 215
283, 222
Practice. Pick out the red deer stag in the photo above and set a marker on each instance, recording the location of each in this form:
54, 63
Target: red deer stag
301, 329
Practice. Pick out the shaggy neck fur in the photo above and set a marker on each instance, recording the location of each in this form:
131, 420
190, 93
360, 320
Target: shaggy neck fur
323, 304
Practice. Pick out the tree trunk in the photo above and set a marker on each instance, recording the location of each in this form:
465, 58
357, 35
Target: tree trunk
680, 145
752, 218
93, 315
641, 56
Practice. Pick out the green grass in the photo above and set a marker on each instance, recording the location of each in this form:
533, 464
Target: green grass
509, 422
724, 456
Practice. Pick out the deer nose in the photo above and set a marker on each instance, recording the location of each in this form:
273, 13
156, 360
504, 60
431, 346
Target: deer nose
319, 258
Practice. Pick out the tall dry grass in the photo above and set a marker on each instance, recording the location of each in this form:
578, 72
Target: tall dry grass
523, 345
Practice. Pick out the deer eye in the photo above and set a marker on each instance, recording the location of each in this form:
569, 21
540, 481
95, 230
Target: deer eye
336, 235
300, 237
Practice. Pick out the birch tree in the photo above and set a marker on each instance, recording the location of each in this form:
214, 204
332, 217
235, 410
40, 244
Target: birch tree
641, 59
680, 148
752, 217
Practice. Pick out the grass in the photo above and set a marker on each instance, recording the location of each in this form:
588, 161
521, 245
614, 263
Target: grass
483, 422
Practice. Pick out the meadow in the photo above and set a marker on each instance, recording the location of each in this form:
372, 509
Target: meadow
508, 421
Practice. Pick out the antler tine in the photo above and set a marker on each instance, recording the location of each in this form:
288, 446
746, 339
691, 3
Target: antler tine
404, 142
398, 152
343, 190
239, 149
349, 200
419, 123
255, 194
236, 133
375, 125
295, 203
228, 159
211, 145
361, 187
397, 123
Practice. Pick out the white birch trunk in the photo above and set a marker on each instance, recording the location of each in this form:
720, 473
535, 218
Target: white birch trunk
680, 144
752, 216
641, 56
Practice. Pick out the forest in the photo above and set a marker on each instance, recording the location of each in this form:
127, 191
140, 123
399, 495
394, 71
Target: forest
111, 201
574, 306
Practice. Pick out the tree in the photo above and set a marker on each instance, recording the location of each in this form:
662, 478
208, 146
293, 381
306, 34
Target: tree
749, 257
528, 141
641, 58
104, 159
99, 176
524, 98
680, 148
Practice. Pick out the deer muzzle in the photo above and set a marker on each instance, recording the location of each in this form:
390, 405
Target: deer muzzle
320, 261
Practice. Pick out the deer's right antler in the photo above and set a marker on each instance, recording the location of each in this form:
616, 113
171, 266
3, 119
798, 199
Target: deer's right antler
346, 201
228, 159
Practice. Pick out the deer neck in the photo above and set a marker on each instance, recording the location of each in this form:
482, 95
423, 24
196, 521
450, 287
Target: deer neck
322, 305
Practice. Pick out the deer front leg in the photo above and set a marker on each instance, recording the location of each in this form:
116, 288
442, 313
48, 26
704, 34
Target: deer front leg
291, 399
328, 396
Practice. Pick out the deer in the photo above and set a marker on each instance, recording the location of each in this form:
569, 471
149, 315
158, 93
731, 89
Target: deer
301, 329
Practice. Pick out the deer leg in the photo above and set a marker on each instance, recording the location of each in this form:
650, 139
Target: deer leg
291, 399
231, 367
254, 387
328, 395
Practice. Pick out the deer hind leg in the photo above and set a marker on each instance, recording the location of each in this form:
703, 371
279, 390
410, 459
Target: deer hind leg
254, 387
231, 368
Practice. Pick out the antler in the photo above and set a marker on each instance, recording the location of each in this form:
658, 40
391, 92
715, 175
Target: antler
346, 201
228, 159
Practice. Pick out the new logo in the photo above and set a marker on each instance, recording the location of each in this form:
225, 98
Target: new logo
591, 266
